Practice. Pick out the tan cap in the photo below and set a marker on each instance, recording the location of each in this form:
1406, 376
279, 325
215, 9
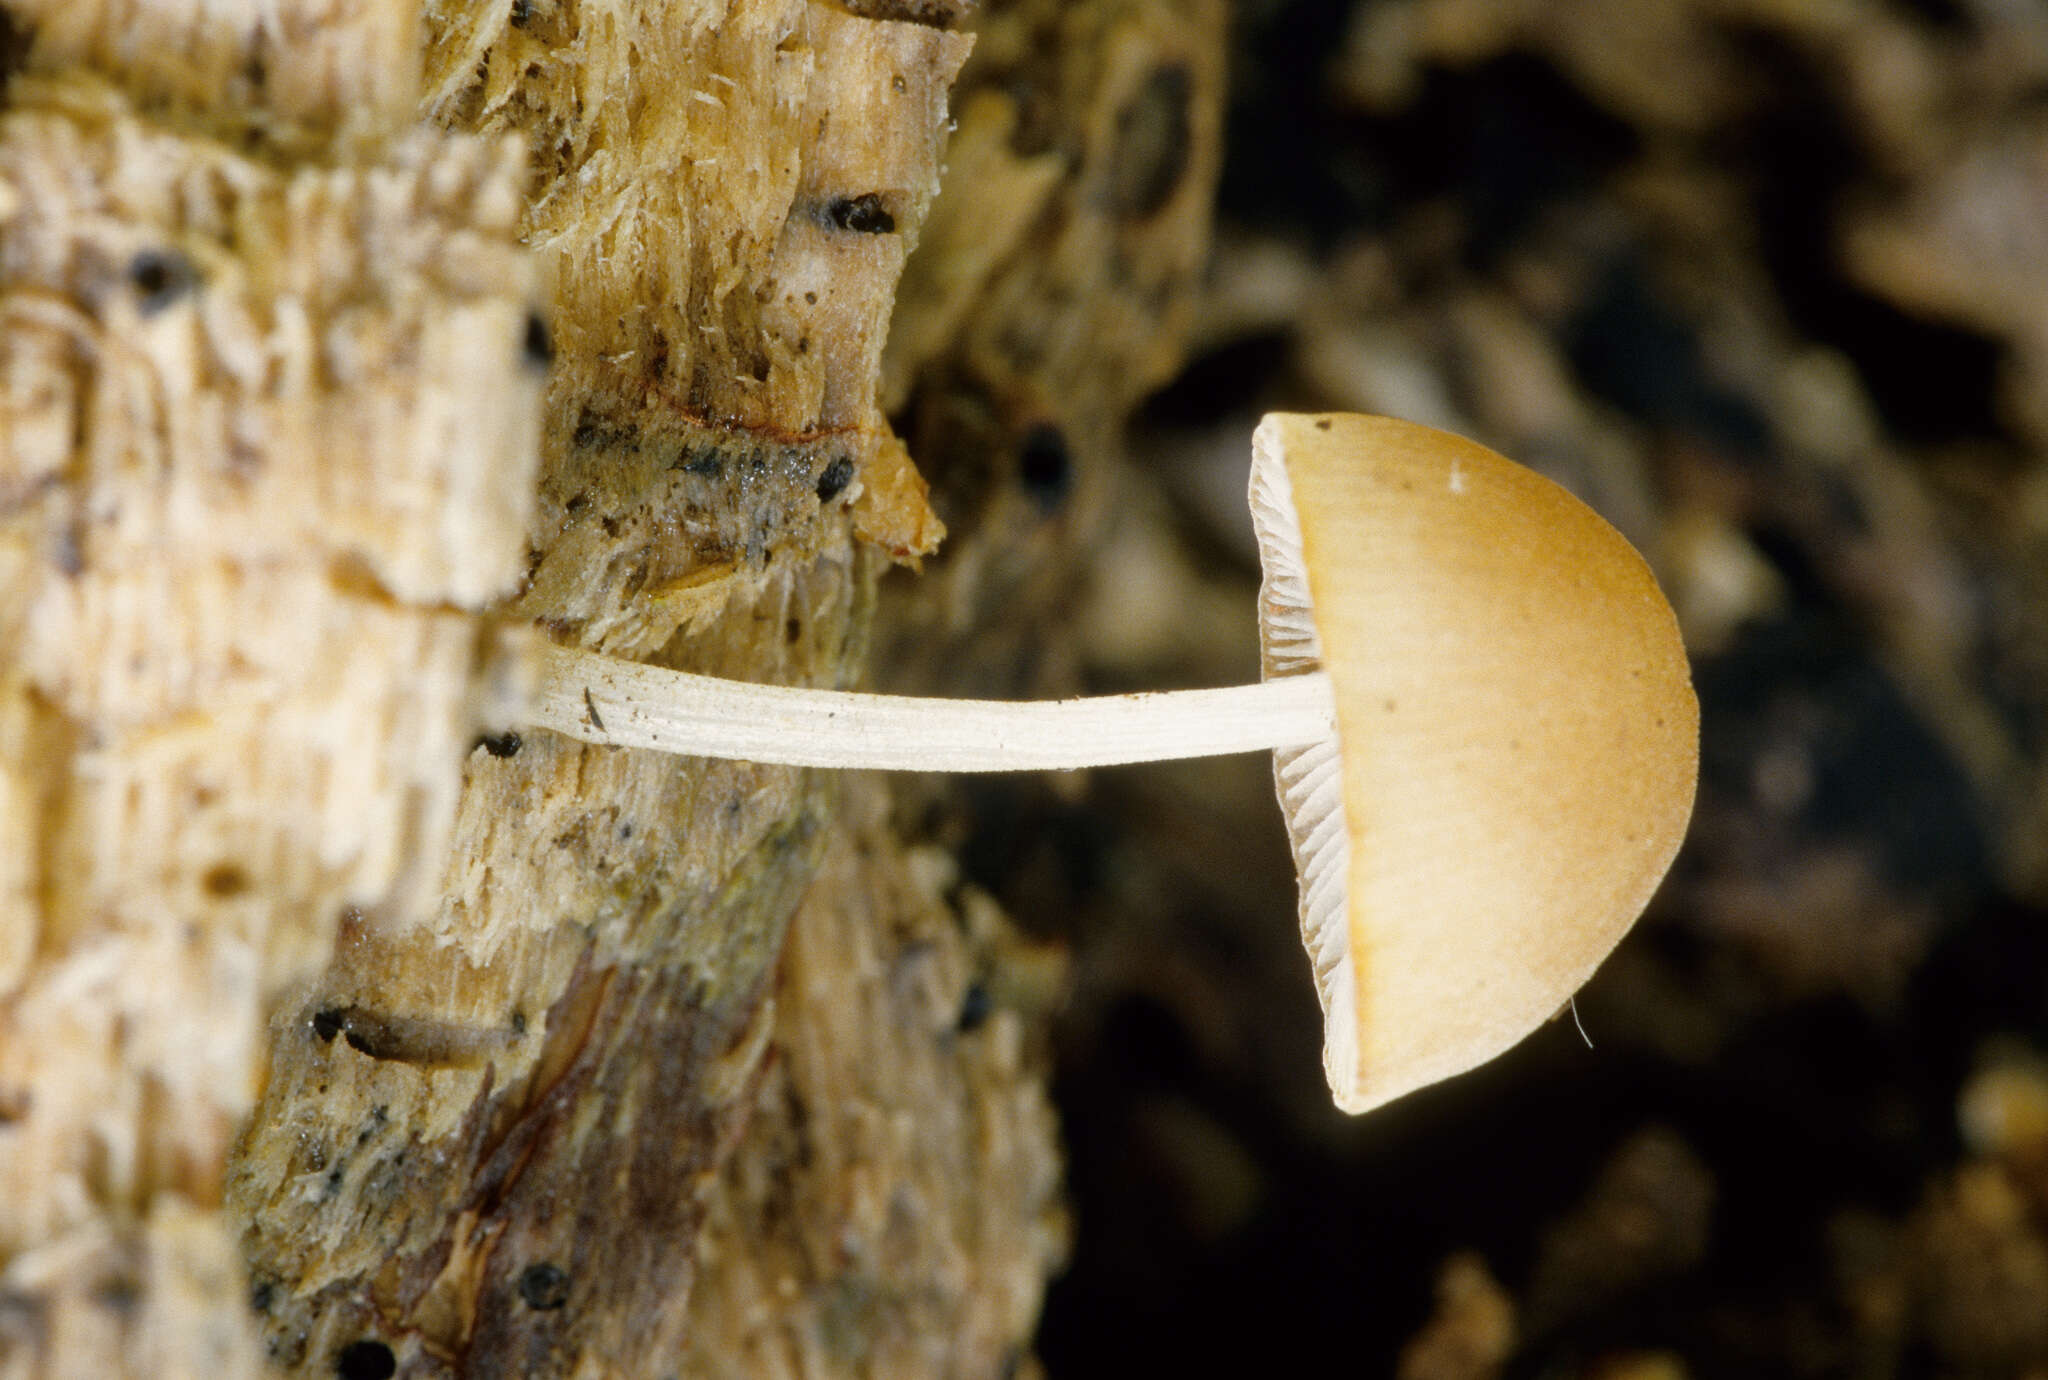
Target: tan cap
1517, 738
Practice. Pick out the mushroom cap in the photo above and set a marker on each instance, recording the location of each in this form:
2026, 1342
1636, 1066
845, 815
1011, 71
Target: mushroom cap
1517, 738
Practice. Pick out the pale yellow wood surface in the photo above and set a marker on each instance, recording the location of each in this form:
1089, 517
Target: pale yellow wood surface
266, 438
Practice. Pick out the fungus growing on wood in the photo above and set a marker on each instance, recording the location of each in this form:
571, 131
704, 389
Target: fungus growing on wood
1484, 733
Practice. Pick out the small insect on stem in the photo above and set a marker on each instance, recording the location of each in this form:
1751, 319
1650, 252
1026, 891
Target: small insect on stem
589, 704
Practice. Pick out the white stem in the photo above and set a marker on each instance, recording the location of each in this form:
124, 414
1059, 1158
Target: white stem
600, 699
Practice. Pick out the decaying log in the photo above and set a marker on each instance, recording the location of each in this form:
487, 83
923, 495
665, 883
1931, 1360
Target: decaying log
336, 342
267, 435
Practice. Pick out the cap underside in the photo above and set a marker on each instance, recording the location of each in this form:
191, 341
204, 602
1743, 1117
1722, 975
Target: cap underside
1309, 780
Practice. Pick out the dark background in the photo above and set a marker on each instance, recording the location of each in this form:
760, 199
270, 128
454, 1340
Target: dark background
1762, 281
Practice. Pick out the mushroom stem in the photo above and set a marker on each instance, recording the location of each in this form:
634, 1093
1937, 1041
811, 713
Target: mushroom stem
601, 699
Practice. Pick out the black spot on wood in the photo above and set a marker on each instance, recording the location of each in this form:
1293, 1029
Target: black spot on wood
833, 481
543, 1286
506, 744
522, 13
365, 1360
975, 1007
864, 215
373, 1037
15, 37
328, 1024
703, 461
538, 346
595, 430
1045, 467
160, 277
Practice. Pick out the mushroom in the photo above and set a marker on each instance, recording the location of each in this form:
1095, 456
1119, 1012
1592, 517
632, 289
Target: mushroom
1484, 735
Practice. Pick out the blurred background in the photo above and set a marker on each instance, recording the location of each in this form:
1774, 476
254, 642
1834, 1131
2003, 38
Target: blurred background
1766, 282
